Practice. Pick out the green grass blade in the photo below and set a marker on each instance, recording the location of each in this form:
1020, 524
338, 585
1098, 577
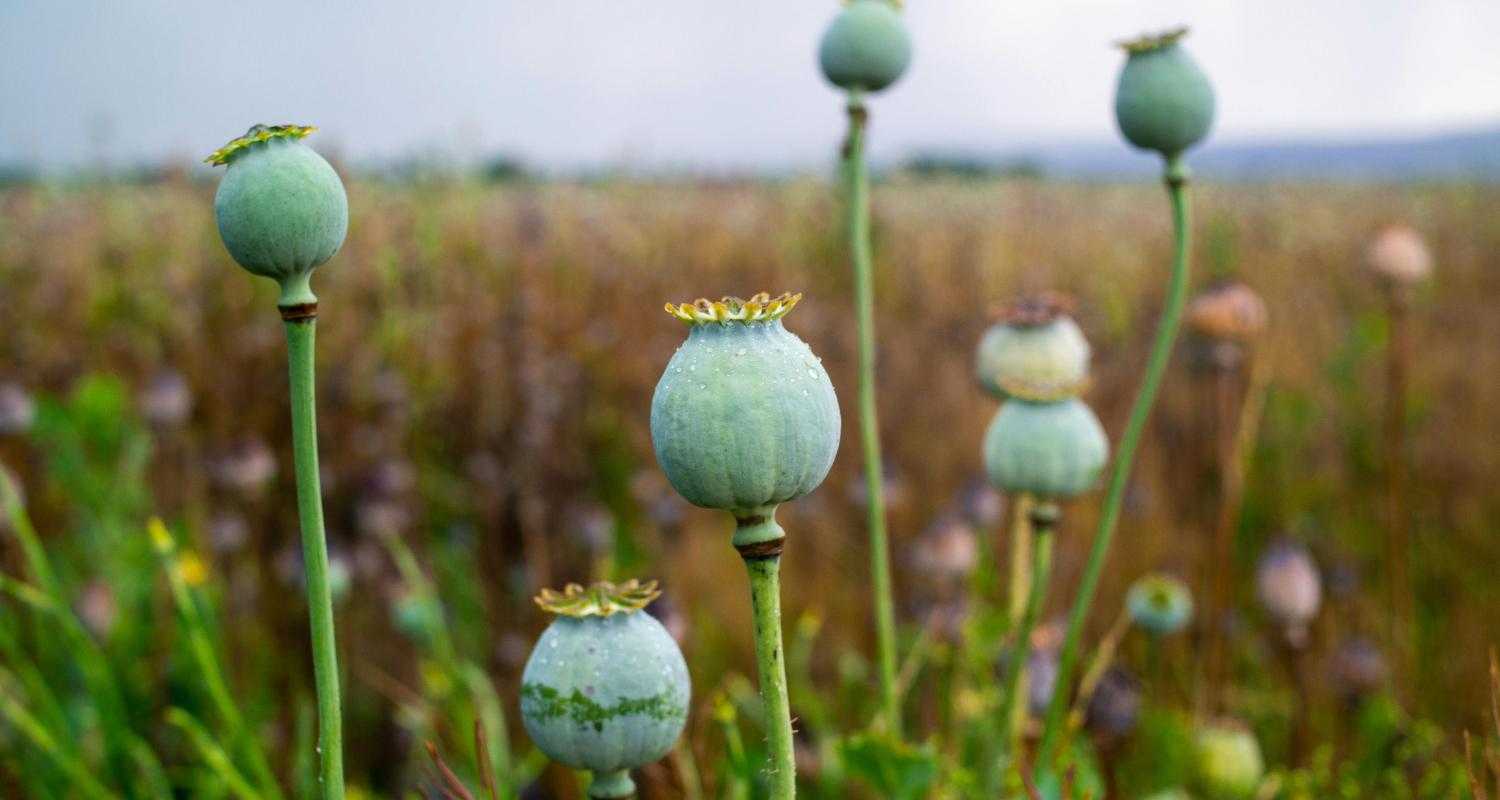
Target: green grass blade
14, 712
213, 755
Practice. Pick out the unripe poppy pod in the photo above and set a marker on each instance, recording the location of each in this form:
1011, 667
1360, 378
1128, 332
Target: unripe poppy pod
281, 208
1160, 604
1163, 101
1229, 764
1052, 450
866, 48
1034, 351
744, 418
606, 688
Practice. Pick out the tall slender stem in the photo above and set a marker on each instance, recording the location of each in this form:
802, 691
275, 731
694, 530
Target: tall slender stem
300, 328
857, 177
765, 601
1020, 556
1398, 542
1176, 176
1012, 709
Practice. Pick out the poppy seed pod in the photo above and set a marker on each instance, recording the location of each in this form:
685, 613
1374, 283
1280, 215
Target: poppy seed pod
866, 47
1289, 587
606, 688
281, 208
1229, 310
1229, 764
744, 418
1160, 604
1398, 255
1052, 450
1163, 101
1035, 351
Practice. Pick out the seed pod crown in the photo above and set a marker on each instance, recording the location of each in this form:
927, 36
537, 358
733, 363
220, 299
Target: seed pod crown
1164, 101
1034, 351
744, 417
281, 209
606, 688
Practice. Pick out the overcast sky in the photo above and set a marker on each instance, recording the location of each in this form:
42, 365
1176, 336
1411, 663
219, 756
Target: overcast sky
704, 83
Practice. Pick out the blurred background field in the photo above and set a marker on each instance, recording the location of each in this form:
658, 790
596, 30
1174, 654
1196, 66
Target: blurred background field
487, 356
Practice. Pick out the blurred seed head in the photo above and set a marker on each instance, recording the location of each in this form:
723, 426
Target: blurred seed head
381, 517
1358, 668
247, 468
1160, 604
97, 608
227, 532
1229, 763
591, 525
167, 400
1399, 256
981, 504
1116, 705
946, 551
1229, 310
895, 490
1290, 588
17, 410
1034, 351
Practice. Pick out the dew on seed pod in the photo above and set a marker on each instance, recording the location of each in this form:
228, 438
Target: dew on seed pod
1290, 588
586, 700
167, 400
1398, 255
17, 409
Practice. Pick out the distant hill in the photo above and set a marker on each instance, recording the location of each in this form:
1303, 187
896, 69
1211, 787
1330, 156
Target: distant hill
1473, 155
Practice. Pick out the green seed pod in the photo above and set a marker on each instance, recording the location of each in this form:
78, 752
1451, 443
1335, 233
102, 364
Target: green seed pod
1035, 351
1160, 604
281, 208
1229, 765
1163, 102
606, 688
745, 417
1052, 450
866, 47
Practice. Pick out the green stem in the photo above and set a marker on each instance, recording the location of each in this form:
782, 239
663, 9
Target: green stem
857, 177
765, 600
1140, 411
1011, 708
615, 785
300, 350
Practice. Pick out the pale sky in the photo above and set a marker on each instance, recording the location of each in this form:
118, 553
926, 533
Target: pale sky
701, 83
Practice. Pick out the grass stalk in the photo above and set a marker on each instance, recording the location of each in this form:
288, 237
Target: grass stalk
1398, 539
1176, 177
14, 711
857, 178
300, 359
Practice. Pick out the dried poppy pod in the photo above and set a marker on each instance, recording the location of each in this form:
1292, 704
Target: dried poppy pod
1034, 351
744, 418
1229, 310
1052, 450
1290, 589
281, 208
606, 688
1228, 763
866, 48
1163, 101
1160, 604
1399, 256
